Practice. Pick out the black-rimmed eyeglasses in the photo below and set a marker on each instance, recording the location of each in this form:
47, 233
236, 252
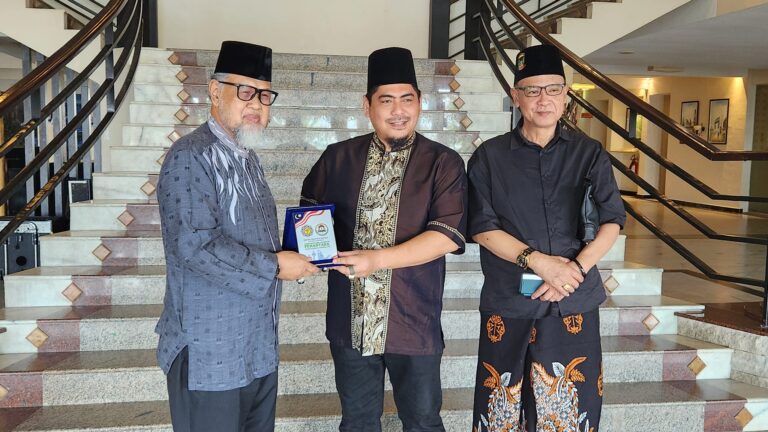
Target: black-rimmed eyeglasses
246, 93
535, 91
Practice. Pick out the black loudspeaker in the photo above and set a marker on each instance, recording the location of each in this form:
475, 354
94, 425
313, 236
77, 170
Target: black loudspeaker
20, 252
22, 249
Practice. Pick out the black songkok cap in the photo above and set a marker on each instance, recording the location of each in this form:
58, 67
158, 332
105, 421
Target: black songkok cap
391, 66
253, 61
538, 60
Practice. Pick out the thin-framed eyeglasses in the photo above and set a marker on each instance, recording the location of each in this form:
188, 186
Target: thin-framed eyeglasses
535, 91
246, 93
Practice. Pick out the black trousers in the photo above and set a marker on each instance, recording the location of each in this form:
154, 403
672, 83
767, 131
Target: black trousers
539, 374
415, 385
246, 409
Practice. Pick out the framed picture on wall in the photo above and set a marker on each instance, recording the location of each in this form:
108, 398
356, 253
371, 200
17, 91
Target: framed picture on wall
718, 121
689, 114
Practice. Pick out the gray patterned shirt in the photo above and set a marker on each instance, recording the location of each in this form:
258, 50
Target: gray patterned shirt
220, 235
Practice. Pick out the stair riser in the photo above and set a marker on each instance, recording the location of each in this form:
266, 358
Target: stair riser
293, 139
143, 217
78, 251
120, 290
286, 117
198, 94
310, 80
285, 61
83, 335
313, 377
131, 251
112, 290
69, 251
138, 333
149, 160
95, 291
659, 417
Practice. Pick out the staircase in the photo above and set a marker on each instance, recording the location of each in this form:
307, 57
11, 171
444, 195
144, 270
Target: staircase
43, 30
574, 22
78, 351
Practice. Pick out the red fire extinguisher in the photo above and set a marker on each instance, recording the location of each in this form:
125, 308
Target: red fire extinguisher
633, 163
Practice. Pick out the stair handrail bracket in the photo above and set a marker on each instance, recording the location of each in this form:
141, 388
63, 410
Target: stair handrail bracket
77, 104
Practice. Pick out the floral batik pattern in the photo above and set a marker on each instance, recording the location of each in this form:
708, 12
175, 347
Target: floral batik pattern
376, 228
504, 404
557, 399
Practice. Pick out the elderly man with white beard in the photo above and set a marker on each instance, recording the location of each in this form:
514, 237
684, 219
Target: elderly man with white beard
218, 330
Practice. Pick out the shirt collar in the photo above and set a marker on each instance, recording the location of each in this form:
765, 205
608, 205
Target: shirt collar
225, 139
561, 133
380, 145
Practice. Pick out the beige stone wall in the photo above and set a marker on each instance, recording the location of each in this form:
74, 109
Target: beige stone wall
308, 27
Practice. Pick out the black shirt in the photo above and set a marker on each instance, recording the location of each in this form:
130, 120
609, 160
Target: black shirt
534, 194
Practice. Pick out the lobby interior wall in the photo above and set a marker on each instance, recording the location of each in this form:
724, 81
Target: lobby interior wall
340, 27
725, 177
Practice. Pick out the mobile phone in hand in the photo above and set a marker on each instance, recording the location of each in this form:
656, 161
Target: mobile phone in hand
529, 283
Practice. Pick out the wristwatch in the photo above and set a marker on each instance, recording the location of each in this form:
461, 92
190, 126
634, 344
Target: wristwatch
522, 259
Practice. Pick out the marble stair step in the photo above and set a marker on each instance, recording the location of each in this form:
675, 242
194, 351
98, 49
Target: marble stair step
131, 248
293, 139
133, 375
442, 82
139, 186
142, 285
284, 162
313, 62
134, 186
135, 215
107, 248
120, 327
198, 94
323, 118
97, 285
673, 406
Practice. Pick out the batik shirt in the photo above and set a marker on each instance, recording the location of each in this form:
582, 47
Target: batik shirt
220, 236
384, 199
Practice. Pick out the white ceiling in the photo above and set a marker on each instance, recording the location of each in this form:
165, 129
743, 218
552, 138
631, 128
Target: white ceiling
727, 45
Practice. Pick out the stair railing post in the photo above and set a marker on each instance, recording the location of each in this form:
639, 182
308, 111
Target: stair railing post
472, 29
765, 293
439, 28
31, 111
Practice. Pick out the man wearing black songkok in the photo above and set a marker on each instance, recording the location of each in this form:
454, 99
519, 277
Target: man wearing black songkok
218, 329
400, 202
540, 360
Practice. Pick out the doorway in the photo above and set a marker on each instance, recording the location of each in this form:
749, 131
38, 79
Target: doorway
758, 178
657, 139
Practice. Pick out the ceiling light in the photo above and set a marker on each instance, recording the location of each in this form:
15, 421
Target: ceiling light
665, 69
580, 86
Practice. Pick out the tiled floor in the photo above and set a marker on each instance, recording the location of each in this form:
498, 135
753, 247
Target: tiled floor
727, 257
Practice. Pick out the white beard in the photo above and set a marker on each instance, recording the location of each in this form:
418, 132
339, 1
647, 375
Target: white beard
250, 138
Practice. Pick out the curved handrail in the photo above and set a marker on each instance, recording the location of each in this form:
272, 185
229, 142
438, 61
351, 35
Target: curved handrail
661, 160
622, 132
487, 36
634, 103
541, 11
59, 59
105, 93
